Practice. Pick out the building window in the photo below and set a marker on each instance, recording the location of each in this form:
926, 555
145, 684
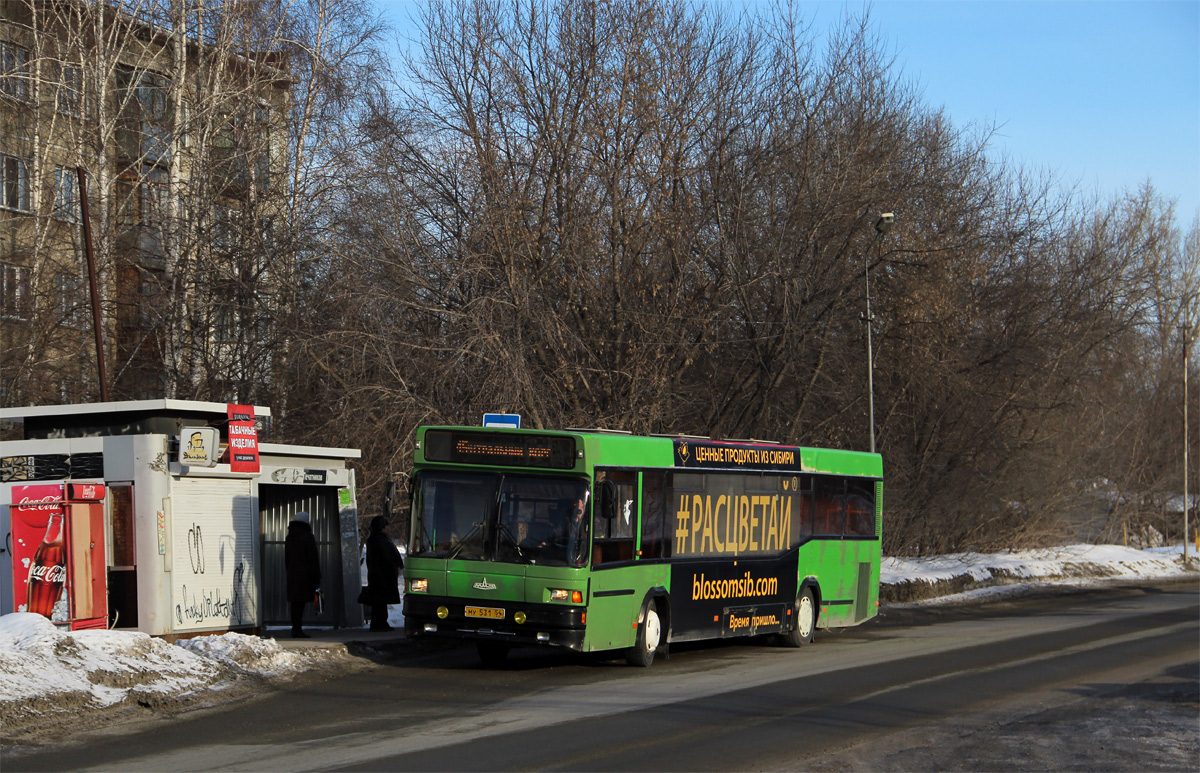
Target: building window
223, 227
14, 71
264, 152
145, 115
67, 300
141, 197
154, 196
224, 322
150, 296
69, 99
14, 184
15, 297
66, 195
128, 199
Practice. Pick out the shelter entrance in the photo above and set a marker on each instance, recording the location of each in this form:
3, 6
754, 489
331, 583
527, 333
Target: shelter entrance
278, 505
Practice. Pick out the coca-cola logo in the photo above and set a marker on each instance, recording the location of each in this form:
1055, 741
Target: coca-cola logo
35, 504
51, 573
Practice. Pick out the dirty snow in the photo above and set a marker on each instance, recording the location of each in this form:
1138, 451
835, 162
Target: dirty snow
934, 579
45, 670
49, 675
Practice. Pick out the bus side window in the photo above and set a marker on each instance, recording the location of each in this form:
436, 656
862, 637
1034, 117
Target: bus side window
829, 516
860, 509
614, 516
656, 542
806, 511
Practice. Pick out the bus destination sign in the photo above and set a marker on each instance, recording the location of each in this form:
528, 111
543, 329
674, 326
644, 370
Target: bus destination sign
736, 456
510, 450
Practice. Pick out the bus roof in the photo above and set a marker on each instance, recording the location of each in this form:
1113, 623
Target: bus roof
578, 450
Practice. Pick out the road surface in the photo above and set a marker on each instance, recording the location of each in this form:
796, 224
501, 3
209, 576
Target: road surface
1100, 679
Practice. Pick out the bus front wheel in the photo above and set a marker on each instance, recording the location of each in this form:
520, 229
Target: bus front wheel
806, 621
648, 638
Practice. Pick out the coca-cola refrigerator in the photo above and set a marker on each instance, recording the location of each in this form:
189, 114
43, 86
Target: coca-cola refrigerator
58, 553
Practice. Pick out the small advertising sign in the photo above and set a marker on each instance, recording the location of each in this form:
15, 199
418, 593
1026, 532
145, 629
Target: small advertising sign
39, 552
199, 446
85, 492
243, 439
737, 456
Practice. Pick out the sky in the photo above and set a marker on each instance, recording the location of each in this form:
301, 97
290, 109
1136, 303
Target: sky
1103, 95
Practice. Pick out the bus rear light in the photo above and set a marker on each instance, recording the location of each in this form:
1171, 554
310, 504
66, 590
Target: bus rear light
418, 586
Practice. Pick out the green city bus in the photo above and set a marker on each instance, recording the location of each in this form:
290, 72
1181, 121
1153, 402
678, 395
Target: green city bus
596, 540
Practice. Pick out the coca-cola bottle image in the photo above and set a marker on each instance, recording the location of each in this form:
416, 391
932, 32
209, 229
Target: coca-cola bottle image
48, 572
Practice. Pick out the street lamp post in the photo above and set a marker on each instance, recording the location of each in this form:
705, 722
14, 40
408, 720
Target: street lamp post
1185, 329
881, 227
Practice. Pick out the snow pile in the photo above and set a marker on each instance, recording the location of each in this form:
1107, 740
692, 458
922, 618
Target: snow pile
50, 675
911, 579
248, 653
38, 659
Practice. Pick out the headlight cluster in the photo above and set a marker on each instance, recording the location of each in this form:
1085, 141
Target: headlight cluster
418, 586
559, 594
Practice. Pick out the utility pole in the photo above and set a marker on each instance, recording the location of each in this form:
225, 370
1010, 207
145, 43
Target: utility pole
881, 227
97, 323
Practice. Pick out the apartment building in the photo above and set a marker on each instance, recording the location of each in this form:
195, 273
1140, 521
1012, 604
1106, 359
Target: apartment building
178, 121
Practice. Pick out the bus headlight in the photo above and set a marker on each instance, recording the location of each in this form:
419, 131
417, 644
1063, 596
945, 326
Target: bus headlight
418, 586
561, 594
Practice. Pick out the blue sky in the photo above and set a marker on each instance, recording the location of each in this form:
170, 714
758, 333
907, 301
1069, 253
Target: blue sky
1105, 95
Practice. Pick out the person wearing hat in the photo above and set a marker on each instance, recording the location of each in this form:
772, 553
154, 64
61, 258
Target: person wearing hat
303, 566
383, 568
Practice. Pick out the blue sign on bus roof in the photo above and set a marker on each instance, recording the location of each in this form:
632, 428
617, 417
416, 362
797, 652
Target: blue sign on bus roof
506, 420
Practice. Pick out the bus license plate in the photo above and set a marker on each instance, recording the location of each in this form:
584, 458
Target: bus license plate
488, 612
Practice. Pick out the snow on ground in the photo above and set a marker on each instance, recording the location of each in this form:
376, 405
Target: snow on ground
49, 675
46, 671
951, 577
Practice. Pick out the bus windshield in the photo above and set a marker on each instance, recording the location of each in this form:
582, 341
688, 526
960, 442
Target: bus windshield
504, 518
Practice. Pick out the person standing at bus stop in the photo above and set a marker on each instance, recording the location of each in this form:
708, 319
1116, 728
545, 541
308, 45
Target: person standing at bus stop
383, 569
303, 566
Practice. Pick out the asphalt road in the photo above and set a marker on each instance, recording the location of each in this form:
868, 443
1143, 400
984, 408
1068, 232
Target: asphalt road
1095, 680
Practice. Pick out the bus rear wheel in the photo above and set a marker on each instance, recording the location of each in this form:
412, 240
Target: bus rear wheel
492, 654
806, 621
649, 637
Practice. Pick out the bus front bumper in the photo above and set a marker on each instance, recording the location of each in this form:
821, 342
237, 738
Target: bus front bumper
551, 625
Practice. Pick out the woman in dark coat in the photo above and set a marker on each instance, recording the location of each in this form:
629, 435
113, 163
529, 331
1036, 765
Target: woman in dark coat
383, 568
303, 566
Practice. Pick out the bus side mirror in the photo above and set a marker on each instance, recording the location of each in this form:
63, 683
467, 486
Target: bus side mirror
389, 498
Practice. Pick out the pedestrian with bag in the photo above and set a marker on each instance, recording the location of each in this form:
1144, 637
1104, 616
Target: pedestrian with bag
303, 566
383, 569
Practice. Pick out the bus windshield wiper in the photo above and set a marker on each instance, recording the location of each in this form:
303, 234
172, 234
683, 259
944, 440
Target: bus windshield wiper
506, 533
457, 547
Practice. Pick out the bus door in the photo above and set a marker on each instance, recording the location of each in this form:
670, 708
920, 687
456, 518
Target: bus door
617, 589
